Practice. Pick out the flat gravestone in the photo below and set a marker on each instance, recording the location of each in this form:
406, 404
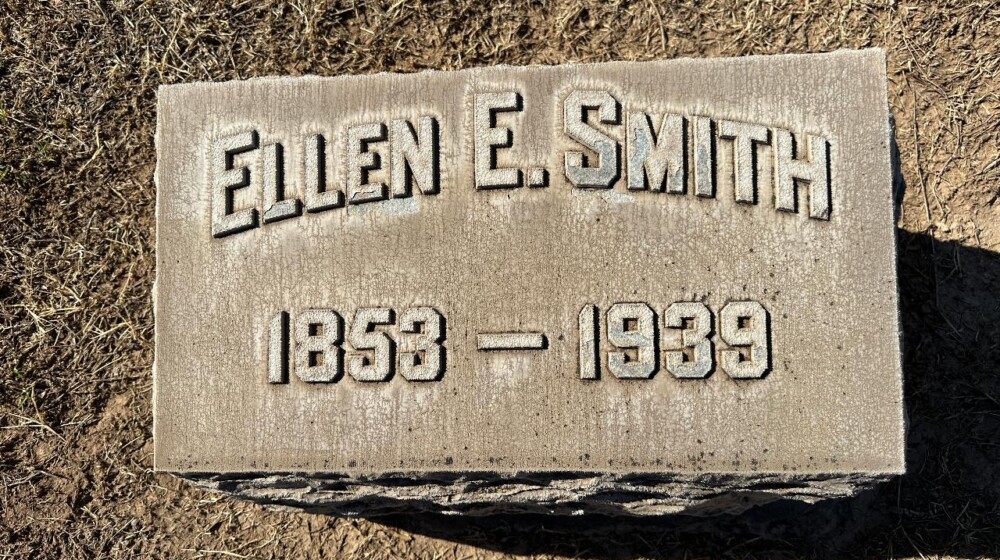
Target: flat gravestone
624, 287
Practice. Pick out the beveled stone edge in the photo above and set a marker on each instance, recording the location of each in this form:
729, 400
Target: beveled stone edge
877, 51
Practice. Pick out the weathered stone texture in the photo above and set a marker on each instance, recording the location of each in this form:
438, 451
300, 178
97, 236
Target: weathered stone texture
624, 287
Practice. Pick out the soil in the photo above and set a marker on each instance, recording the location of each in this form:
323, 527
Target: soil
77, 115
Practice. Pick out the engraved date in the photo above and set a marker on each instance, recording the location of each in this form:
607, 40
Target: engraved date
632, 331
316, 346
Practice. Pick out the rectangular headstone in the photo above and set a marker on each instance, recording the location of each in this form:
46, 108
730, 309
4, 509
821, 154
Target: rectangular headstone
624, 287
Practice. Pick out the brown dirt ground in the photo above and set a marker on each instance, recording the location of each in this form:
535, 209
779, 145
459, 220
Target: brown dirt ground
77, 112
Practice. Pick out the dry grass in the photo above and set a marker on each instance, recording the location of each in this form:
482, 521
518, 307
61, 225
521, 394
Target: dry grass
77, 107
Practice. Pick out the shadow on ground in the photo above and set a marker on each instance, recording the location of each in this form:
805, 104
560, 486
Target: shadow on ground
947, 503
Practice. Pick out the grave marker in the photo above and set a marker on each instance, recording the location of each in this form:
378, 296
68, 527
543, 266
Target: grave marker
622, 287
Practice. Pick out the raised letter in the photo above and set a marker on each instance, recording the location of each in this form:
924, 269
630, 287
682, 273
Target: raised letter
704, 156
360, 161
318, 357
277, 349
318, 197
575, 125
655, 158
632, 329
791, 170
423, 356
276, 207
226, 178
365, 339
489, 137
588, 342
743, 324
745, 137
694, 361
414, 157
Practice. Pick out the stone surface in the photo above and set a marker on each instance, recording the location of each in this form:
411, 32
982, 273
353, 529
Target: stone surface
623, 287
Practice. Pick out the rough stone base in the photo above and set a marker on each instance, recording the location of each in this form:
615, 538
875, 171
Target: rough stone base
549, 493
